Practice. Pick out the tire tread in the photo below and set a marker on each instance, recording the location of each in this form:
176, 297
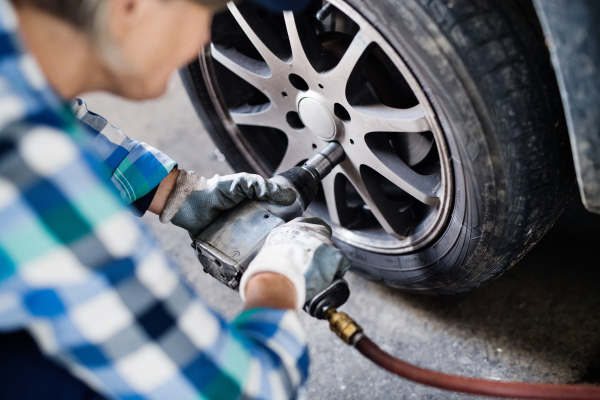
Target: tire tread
502, 48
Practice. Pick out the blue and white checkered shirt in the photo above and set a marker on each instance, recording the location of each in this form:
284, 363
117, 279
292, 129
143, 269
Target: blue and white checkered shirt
84, 278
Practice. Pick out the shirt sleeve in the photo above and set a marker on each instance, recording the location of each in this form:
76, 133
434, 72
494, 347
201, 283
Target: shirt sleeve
135, 168
84, 278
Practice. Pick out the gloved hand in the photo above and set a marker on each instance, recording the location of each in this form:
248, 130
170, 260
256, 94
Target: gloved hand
196, 202
303, 252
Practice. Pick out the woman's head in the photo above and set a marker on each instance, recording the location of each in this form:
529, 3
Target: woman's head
139, 42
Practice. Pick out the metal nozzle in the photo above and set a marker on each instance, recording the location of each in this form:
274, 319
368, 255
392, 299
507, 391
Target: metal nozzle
345, 327
325, 12
323, 163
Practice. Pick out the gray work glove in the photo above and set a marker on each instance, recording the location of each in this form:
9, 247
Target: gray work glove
303, 252
196, 202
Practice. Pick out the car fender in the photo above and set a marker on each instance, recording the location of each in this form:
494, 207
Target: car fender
572, 32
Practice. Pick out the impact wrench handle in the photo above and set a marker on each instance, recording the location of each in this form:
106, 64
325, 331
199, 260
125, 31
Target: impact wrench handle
230, 243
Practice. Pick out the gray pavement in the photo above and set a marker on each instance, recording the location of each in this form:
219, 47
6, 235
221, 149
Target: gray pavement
539, 322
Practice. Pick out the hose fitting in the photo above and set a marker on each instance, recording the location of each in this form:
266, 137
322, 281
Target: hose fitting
345, 327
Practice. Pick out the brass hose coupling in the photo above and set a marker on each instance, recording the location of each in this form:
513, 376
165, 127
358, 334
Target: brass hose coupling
345, 327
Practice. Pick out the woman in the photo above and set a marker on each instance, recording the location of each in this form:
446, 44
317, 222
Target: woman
77, 273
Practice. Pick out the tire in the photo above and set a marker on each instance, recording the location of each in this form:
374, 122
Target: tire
486, 72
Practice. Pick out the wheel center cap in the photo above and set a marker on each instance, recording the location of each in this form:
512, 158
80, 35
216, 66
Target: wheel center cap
317, 118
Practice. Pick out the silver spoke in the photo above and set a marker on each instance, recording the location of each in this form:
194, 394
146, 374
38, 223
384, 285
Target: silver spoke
356, 180
330, 195
421, 187
271, 59
380, 118
271, 117
358, 46
254, 72
298, 54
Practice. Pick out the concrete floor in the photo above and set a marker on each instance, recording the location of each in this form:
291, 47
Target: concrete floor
539, 322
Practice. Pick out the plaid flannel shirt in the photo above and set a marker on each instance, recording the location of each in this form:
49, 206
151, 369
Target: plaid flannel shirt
84, 278
133, 167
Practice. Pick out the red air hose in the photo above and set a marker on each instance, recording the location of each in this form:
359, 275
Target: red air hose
514, 390
351, 333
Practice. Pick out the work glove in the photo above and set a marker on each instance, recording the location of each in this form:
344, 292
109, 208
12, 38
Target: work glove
303, 252
196, 202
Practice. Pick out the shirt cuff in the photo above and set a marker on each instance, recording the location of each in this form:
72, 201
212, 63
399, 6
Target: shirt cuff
141, 205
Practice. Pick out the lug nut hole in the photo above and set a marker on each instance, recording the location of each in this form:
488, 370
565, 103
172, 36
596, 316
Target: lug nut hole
293, 119
321, 86
341, 112
351, 141
284, 94
314, 146
298, 82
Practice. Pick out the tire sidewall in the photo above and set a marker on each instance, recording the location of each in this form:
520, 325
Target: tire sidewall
478, 187
487, 75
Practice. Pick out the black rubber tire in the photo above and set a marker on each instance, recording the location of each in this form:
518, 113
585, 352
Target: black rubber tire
486, 69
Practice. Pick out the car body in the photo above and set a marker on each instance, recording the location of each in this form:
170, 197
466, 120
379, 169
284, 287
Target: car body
573, 37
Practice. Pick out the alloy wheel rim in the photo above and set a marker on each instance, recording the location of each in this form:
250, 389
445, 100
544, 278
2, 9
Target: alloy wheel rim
310, 100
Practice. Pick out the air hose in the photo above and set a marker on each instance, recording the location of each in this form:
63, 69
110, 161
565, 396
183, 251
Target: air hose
352, 334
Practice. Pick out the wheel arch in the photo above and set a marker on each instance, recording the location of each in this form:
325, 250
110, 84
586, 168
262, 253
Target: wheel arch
573, 38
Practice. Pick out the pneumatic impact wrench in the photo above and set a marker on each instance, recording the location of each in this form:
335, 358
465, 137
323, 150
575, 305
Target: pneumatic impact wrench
230, 243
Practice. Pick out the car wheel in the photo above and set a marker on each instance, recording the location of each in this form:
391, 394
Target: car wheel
448, 110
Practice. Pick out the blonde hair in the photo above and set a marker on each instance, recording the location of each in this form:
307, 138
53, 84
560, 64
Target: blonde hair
88, 16
91, 17
82, 14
